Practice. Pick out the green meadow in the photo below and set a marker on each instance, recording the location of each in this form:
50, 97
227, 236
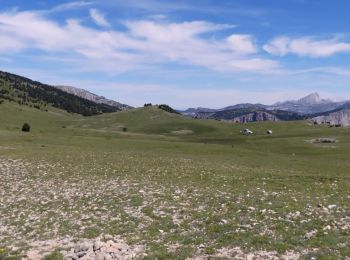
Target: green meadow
179, 187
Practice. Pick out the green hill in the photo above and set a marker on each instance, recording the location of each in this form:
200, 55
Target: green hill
147, 120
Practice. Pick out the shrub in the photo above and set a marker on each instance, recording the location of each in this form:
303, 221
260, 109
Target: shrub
26, 127
54, 256
168, 109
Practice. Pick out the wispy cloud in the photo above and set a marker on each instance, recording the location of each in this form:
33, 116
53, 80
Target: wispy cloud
226, 8
306, 46
71, 5
151, 5
144, 43
99, 18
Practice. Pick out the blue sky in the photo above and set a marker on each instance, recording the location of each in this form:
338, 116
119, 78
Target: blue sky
210, 53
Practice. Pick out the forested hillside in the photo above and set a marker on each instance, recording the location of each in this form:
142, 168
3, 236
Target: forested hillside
38, 95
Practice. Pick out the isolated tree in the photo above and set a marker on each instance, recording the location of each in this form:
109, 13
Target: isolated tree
26, 127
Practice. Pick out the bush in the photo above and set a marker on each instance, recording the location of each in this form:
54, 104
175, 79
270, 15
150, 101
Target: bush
26, 127
168, 109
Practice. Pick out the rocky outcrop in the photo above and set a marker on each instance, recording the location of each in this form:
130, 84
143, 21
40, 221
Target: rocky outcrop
339, 118
103, 247
255, 117
93, 97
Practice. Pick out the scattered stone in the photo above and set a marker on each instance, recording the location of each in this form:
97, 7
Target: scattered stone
114, 248
97, 245
324, 140
100, 256
310, 234
333, 206
328, 227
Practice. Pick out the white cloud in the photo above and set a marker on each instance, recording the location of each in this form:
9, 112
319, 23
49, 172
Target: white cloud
98, 18
144, 44
306, 47
242, 43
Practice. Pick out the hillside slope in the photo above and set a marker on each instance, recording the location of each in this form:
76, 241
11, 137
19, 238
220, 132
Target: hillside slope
31, 93
14, 115
148, 120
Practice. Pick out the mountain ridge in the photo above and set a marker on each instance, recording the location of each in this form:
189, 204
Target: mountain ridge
25, 91
92, 97
308, 105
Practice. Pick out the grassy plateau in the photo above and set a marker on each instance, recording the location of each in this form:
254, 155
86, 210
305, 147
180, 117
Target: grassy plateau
180, 188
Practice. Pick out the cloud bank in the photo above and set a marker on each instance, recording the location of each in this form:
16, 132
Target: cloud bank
143, 43
306, 47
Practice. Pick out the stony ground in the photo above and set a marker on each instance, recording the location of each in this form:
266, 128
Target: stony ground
55, 206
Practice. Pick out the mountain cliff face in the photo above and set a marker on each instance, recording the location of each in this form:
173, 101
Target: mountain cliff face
93, 97
310, 104
313, 98
340, 118
253, 114
256, 116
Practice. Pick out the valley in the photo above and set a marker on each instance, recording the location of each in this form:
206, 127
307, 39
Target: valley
170, 187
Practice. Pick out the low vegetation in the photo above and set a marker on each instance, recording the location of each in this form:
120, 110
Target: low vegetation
26, 127
170, 187
168, 109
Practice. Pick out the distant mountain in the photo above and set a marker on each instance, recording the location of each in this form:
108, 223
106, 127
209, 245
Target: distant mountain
310, 104
31, 93
253, 114
202, 112
244, 106
93, 97
305, 107
194, 111
243, 113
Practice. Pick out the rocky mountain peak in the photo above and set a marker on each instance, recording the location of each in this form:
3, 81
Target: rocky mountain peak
313, 98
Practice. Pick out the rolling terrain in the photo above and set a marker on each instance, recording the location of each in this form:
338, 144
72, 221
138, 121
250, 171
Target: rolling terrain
164, 186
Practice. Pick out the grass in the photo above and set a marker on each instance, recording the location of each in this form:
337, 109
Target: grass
206, 192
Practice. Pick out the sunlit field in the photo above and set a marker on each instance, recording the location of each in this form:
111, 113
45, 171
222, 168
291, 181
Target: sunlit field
159, 185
